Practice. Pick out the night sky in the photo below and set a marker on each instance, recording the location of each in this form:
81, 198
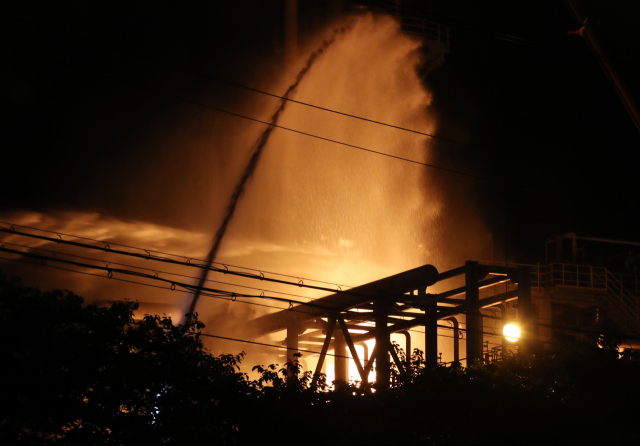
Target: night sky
80, 84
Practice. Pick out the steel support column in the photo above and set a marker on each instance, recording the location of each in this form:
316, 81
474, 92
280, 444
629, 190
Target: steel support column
430, 330
474, 317
352, 349
320, 367
456, 339
382, 341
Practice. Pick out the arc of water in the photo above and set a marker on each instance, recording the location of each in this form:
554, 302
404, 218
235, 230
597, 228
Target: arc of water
253, 163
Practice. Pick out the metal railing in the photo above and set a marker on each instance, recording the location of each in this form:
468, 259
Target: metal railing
621, 289
596, 278
425, 28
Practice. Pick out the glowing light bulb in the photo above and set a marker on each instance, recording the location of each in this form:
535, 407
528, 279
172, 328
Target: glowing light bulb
511, 332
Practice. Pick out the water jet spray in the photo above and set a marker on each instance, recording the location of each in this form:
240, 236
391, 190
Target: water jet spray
253, 162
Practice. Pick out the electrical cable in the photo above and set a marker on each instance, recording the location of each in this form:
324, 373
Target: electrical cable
266, 93
148, 256
145, 284
300, 132
164, 288
56, 253
174, 284
188, 291
219, 293
289, 129
242, 340
170, 254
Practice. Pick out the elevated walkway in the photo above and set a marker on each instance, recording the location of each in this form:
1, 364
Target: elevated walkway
617, 293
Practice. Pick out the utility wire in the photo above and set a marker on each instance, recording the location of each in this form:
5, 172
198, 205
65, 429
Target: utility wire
209, 292
225, 295
46, 265
222, 293
56, 253
266, 93
224, 265
173, 283
148, 284
289, 129
309, 351
148, 256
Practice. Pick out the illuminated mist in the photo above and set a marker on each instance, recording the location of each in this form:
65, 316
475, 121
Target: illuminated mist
313, 208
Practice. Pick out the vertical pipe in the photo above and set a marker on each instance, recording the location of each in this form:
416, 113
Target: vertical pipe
474, 318
341, 361
456, 340
382, 343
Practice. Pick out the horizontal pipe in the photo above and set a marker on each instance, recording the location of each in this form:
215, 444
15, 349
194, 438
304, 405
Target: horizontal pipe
395, 285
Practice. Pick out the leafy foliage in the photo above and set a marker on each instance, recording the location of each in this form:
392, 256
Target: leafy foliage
75, 374
87, 375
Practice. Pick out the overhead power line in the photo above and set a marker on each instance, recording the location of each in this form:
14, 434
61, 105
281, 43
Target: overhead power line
299, 132
46, 265
106, 247
174, 283
570, 328
224, 265
158, 271
289, 129
68, 36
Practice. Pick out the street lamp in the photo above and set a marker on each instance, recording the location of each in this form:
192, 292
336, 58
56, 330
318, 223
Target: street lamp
511, 332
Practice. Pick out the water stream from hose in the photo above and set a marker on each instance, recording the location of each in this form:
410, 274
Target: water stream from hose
253, 163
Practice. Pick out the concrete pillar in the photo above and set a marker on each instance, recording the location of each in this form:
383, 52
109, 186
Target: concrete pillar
474, 317
382, 343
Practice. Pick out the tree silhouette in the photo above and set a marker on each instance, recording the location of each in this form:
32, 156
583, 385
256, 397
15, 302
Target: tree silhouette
75, 374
